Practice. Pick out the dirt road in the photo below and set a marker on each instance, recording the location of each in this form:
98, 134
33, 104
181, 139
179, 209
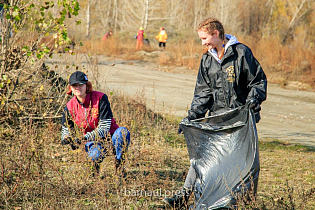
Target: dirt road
286, 114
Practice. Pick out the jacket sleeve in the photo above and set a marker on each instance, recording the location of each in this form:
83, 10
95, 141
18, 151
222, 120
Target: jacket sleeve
105, 117
203, 99
67, 124
256, 78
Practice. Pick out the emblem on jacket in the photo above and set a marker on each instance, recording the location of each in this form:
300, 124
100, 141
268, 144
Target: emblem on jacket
230, 74
94, 112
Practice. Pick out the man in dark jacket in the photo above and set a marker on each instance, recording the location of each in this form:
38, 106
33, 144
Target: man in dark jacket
229, 76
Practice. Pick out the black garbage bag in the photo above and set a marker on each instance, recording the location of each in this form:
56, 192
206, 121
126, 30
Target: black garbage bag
223, 149
146, 41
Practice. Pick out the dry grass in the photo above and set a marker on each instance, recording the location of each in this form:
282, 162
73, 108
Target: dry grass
287, 175
38, 173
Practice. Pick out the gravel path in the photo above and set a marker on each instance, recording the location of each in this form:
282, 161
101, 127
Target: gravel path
286, 114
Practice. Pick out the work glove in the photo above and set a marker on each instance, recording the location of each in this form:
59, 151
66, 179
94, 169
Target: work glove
78, 141
254, 105
186, 119
66, 141
73, 144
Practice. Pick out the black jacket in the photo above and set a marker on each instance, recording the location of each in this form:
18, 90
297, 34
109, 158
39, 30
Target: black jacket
224, 86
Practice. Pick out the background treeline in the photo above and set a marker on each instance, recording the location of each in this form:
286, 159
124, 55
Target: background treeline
290, 20
280, 32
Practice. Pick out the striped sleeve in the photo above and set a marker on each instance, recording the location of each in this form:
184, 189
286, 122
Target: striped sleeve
101, 130
105, 118
66, 124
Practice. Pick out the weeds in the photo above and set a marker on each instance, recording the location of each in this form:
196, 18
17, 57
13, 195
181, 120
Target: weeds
37, 172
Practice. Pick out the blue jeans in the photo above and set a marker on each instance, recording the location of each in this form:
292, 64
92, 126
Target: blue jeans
96, 150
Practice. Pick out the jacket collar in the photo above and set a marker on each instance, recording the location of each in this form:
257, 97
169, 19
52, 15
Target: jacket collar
86, 100
229, 52
228, 49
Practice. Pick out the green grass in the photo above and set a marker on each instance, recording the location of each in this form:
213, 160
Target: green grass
272, 144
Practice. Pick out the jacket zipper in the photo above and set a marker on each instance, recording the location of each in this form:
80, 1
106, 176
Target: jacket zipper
223, 87
85, 116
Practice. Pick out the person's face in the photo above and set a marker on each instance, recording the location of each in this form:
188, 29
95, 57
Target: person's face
211, 41
79, 90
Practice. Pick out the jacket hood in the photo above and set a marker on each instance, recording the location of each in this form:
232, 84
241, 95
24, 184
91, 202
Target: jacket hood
232, 41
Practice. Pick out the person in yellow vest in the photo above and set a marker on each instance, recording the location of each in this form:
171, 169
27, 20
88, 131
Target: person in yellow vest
162, 37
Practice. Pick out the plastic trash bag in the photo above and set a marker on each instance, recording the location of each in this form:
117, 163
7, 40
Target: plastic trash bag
223, 150
146, 41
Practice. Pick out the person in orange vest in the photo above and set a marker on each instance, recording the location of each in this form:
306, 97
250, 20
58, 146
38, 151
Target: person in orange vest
140, 36
162, 37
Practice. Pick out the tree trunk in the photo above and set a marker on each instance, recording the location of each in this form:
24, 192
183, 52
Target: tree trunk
267, 26
146, 14
115, 15
292, 22
88, 21
108, 13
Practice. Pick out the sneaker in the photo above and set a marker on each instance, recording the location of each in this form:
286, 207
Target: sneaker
118, 164
120, 168
178, 200
95, 169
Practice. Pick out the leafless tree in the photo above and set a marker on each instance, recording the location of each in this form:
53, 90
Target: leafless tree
88, 19
265, 17
303, 8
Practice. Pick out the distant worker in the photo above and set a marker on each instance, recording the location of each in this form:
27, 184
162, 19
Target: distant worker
162, 37
140, 37
107, 35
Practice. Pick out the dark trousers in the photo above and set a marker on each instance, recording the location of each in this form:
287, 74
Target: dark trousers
162, 44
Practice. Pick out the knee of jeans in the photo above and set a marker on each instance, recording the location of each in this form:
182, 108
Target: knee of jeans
94, 154
121, 136
95, 151
88, 145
